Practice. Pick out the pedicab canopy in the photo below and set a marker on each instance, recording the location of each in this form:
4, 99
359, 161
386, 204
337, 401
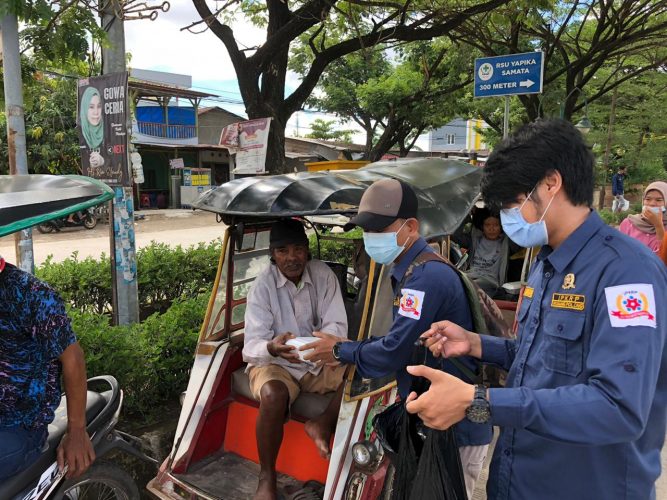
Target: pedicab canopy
28, 200
446, 191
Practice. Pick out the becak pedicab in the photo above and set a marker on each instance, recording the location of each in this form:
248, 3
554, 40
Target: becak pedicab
214, 454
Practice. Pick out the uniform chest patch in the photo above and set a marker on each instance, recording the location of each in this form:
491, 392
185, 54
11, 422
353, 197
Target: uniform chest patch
528, 292
570, 301
631, 305
411, 303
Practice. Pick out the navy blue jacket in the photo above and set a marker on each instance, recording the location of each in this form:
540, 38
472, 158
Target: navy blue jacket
583, 412
433, 292
617, 184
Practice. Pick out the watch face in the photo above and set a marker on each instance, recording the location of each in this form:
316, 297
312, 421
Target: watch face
478, 413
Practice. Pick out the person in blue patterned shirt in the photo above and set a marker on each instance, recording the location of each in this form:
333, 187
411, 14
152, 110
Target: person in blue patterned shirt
37, 347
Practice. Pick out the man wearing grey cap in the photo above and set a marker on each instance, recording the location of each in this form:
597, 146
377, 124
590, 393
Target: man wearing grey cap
295, 296
425, 290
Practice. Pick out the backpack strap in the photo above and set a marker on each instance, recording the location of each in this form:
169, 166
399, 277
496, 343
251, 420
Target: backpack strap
473, 302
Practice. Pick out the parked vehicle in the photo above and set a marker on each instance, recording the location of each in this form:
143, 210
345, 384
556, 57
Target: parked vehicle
103, 480
31, 200
26, 201
87, 218
215, 452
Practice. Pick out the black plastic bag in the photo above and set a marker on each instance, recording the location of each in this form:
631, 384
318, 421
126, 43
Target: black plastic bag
439, 475
426, 461
397, 431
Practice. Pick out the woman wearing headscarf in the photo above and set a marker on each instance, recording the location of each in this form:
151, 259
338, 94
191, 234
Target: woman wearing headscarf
92, 125
649, 226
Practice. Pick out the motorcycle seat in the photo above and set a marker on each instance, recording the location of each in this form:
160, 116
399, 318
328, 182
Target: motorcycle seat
95, 402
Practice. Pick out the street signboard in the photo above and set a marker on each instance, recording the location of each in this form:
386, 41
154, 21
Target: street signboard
514, 74
177, 163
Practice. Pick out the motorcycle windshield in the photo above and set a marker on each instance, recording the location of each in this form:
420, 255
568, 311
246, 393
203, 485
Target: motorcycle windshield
28, 200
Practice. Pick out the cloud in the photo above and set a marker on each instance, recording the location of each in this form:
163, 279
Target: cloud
161, 45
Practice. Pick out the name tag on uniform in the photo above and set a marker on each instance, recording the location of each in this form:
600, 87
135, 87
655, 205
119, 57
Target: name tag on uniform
568, 301
528, 292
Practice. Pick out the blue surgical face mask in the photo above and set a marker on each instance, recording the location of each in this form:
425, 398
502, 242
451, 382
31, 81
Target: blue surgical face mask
655, 210
383, 248
524, 234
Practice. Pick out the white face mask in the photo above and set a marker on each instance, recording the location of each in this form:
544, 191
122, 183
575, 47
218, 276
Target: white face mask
655, 210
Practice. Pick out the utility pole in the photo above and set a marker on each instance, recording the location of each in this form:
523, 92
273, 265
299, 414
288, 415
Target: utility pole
125, 285
18, 155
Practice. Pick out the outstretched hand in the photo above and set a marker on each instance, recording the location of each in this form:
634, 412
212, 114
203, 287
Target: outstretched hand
447, 339
322, 350
446, 401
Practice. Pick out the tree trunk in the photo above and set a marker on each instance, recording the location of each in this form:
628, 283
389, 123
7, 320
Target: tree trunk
607, 150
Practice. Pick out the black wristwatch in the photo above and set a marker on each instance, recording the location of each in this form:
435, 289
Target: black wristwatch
479, 412
336, 351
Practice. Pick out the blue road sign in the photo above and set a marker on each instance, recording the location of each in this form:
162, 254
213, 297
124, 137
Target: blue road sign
509, 75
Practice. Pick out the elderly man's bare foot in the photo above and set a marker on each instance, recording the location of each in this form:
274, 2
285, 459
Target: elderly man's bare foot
266, 489
319, 430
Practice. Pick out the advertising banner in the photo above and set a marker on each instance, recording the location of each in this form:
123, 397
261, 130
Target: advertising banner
102, 125
249, 141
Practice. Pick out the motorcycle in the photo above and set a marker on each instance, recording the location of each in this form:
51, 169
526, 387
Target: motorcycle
103, 480
88, 219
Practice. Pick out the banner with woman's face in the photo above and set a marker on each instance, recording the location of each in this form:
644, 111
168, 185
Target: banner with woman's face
102, 126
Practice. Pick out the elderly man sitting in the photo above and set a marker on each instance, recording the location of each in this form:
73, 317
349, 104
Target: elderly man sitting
296, 296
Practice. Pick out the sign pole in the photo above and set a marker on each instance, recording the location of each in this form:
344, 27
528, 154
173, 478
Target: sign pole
16, 142
121, 217
506, 118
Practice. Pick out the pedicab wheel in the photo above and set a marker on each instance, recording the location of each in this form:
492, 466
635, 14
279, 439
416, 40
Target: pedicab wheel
90, 221
103, 481
45, 228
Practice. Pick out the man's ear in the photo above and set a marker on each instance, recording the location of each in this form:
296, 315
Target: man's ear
413, 225
554, 182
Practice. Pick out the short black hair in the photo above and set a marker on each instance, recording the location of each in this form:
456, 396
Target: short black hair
481, 214
522, 160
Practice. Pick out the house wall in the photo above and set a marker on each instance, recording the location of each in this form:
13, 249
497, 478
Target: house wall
451, 137
211, 124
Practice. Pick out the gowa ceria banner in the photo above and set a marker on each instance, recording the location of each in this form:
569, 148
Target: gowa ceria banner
102, 125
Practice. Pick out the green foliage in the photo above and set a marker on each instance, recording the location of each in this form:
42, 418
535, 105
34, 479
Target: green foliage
165, 275
639, 139
611, 218
84, 284
50, 120
55, 30
151, 360
394, 94
325, 130
335, 251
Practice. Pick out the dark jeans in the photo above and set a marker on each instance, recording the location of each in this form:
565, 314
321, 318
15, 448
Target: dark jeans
19, 448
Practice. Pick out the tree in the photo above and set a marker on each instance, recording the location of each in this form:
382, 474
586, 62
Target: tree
578, 40
325, 130
396, 98
639, 139
354, 24
50, 120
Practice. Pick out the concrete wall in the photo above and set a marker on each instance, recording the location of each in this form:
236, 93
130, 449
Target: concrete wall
211, 124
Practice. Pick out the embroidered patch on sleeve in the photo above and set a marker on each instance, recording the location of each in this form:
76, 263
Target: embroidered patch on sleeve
411, 303
631, 305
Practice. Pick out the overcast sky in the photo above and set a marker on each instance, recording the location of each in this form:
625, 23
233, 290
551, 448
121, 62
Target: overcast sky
160, 45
